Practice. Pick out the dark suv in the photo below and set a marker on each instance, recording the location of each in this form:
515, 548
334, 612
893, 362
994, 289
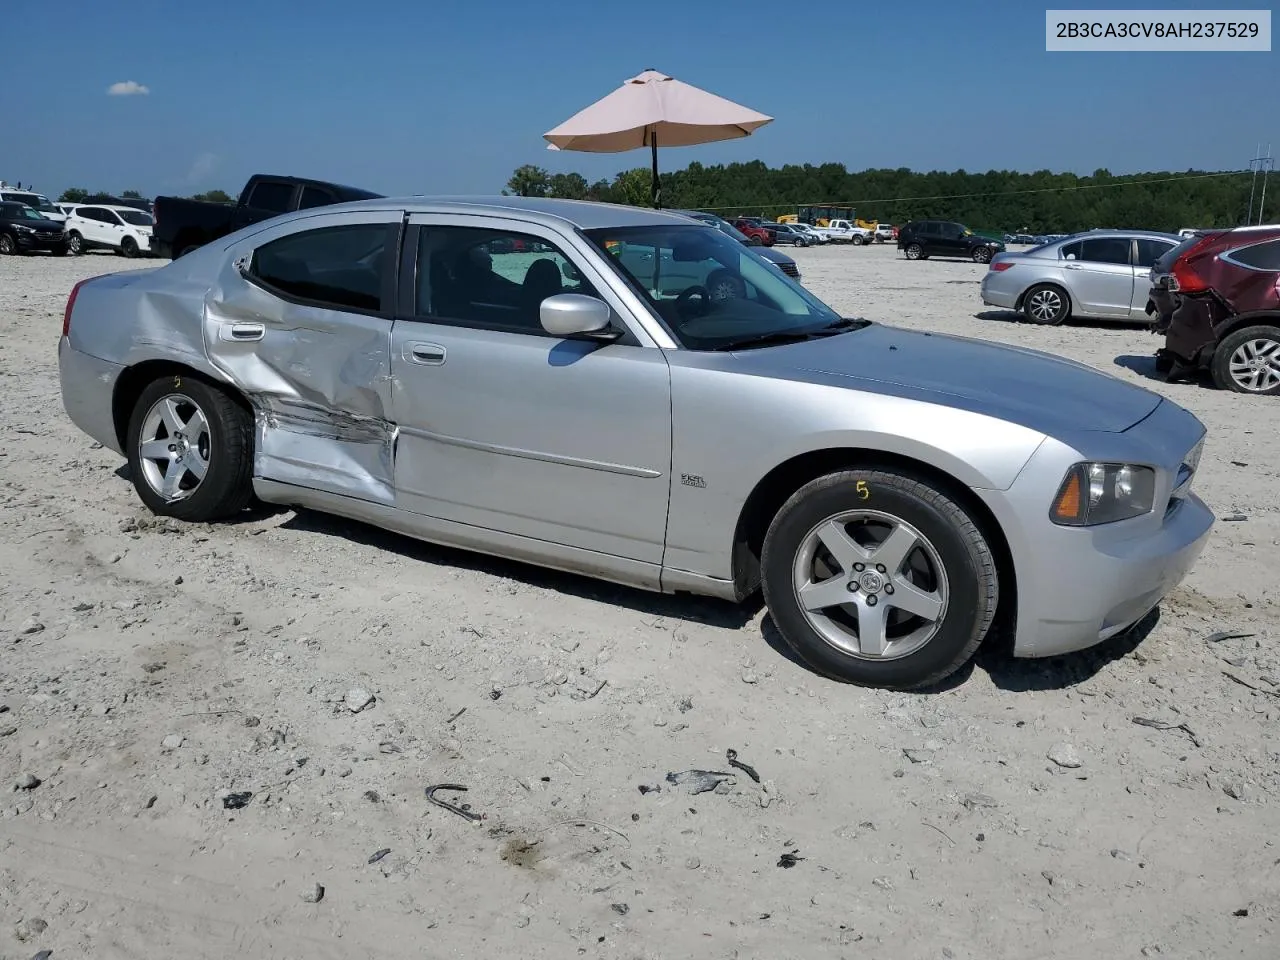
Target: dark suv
922, 239
1218, 297
23, 229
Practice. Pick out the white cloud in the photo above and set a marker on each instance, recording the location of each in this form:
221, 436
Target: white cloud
202, 168
128, 88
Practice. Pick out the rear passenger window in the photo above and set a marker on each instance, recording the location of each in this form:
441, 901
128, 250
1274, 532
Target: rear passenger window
314, 197
338, 267
1260, 256
271, 196
1072, 250
1149, 251
1105, 250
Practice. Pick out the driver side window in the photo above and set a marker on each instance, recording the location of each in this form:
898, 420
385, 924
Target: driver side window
492, 279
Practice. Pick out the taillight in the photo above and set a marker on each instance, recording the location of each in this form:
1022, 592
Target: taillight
1185, 278
71, 303
1000, 266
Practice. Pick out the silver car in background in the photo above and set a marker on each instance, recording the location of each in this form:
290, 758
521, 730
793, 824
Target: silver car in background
1098, 275
554, 381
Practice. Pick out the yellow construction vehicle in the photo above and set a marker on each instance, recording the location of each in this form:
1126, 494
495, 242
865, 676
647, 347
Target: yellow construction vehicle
788, 218
867, 224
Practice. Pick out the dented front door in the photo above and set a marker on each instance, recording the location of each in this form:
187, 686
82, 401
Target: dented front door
300, 321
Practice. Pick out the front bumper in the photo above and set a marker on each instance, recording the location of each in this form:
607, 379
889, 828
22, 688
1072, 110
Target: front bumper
1078, 586
28, 242
88, 385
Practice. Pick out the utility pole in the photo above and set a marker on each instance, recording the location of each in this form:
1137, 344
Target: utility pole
1261, 164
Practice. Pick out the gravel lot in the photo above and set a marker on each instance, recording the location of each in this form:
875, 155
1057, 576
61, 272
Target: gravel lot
151, 671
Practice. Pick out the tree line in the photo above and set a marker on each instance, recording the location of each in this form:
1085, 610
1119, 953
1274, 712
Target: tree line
998, 200
81, 195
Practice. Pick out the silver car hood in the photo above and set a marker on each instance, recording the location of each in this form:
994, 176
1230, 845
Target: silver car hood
1036, 390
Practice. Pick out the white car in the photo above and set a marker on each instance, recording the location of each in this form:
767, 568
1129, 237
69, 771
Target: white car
125, 230
884, 232
36, 201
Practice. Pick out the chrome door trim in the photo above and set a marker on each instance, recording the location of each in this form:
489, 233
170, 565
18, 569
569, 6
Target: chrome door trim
620, 468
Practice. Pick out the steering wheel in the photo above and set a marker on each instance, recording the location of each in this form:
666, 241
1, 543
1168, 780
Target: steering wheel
684, 302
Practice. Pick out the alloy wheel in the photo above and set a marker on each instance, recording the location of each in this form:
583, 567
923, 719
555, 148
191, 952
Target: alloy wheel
174, 446
1255, 365
871, 585
1045, 305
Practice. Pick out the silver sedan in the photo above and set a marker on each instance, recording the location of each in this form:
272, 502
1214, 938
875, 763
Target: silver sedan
1099, 275
555, 382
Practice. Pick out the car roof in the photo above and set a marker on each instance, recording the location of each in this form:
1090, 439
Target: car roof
583, 214
1104, 232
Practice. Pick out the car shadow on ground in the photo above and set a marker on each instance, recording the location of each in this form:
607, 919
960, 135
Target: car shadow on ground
1145, 367
705, 610
1015, 675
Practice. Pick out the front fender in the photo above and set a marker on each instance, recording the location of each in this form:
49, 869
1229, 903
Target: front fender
729, 431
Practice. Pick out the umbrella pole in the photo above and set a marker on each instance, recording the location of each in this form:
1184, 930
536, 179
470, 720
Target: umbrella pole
657, 184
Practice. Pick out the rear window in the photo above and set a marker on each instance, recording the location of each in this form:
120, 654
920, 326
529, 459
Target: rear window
1260, 256
1165, 263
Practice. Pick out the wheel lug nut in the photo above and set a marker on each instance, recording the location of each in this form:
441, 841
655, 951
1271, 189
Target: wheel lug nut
888, 588
859, 567
853, 586
880, 567
871, 600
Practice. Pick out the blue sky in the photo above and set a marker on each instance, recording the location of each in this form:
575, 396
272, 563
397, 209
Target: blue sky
434, 96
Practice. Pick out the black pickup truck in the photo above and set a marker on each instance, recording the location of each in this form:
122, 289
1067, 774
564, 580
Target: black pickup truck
182, 224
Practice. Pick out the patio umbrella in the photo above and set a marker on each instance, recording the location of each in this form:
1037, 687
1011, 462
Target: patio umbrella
652, 109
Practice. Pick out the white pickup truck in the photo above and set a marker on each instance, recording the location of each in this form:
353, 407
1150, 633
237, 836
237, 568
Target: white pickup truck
842, 231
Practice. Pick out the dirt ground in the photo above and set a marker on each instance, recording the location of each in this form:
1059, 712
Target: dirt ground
153, 674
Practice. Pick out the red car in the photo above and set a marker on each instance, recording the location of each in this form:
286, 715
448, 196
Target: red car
1218, 297
757, 234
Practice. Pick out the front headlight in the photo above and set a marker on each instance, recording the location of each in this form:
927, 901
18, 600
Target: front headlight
1096, 493
23, 228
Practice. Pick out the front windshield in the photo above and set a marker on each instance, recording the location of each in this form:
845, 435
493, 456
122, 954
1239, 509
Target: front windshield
31, 213
712, 292
139, 218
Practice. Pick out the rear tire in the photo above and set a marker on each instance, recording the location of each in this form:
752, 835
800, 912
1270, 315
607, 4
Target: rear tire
914, 251
924, 610
198, 446
1248, 361
7, 246
1046, 304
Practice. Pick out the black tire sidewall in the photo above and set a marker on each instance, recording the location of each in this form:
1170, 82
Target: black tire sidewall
12, 244
75, 243
222, 475
917, 248
129, 247
890, 493
1220, 363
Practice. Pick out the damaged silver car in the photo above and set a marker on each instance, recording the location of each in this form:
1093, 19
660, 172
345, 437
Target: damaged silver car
625, 394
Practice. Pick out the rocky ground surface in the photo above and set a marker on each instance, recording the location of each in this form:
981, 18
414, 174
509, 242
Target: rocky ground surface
215, 740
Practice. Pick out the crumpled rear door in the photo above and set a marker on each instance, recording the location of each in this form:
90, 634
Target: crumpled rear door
317, 375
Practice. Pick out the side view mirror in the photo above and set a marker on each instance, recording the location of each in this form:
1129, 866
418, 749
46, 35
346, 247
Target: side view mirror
577, 316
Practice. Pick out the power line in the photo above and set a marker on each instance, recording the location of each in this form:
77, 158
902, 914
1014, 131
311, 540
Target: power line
998, 193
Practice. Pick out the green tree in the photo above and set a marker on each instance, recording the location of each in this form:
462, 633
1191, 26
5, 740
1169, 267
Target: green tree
214, 196
528, 181
568, 186
74, 195
131, 195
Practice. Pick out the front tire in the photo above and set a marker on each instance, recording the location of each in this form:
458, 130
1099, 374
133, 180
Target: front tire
982, 255
878, 578
7, 247
61, 250
857, 241
129, 247
1248, 361
1047, 305
190, 449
